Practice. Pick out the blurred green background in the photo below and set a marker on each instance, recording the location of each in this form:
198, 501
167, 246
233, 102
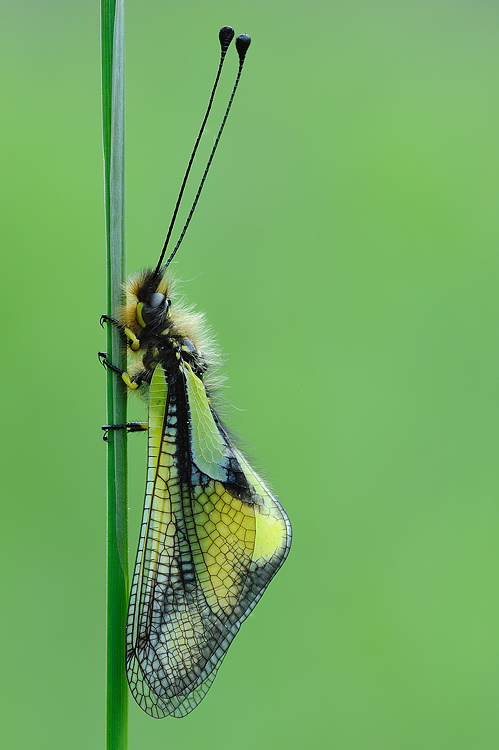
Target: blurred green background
345, 252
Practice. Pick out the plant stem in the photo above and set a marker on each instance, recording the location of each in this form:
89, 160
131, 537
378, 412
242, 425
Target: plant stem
112, 37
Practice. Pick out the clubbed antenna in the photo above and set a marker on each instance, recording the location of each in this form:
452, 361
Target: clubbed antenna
225, 35
243, 41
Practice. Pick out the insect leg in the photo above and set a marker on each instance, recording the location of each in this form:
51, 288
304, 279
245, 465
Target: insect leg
106, 363
129, 427
132, 338
131, 382
109, 319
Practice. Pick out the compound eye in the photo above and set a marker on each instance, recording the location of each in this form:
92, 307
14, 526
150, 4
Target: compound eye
156, 300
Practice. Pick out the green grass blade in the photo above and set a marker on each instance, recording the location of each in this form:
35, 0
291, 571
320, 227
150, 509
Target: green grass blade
112, 36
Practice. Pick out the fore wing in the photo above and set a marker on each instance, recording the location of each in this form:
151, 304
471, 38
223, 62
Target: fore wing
212, 538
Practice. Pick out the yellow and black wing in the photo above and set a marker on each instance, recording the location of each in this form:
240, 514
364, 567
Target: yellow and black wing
212, 538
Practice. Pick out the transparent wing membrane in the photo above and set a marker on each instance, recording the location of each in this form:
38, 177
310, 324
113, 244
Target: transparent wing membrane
212, 538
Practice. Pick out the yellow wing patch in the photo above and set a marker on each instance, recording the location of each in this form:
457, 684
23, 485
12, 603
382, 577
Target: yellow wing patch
272, 527
226, 531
